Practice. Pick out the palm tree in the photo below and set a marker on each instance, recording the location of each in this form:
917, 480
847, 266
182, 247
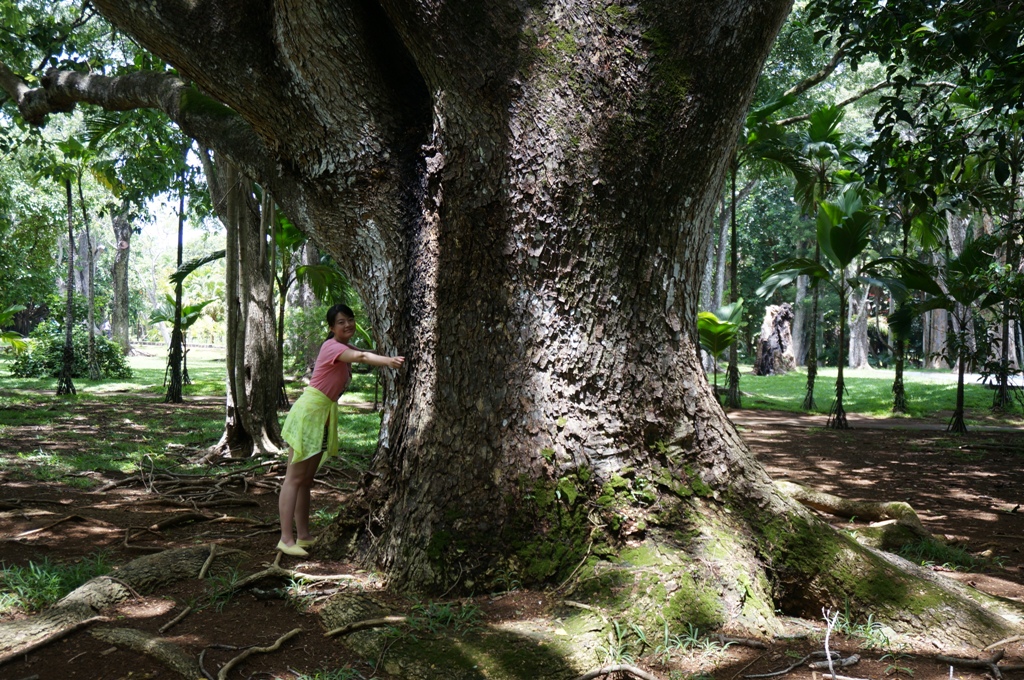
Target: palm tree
844, 232
811, 156
717, 332
961, 291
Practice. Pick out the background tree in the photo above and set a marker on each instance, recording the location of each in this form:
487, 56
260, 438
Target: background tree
844, 232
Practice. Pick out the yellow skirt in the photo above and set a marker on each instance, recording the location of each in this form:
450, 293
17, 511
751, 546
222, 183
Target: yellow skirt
304, 427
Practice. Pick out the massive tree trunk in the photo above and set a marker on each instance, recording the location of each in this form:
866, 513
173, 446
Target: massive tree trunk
119, 274
523, 195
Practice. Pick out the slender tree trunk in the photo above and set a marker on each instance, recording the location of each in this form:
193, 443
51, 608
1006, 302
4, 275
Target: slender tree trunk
812, 340
175, 353
64, 383
1001, 401
724, 224
957, 424
857, 322
251, 426
800, 321
899, 395
90, 297
733, 398
119, 318
837, 414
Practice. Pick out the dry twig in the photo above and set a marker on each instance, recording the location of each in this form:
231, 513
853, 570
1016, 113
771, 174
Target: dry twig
223, 674
368, 623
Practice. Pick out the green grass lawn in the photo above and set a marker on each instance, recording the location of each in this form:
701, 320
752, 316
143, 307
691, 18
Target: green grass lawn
124, 425
868, 391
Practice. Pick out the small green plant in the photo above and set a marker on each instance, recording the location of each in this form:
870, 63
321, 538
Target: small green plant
930, 552
222, 588
871, 632
42, 583
336, 674
894, 661
448, 617
618, 650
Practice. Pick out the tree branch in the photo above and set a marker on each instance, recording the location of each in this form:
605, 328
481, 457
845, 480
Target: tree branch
827, 70
199, 116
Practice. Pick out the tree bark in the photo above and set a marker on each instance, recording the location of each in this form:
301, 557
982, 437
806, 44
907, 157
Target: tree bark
251, 425
799, 321
464, 165
775, 344
857, 322
65, 384
119, 221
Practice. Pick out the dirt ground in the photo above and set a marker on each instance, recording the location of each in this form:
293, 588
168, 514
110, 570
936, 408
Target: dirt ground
967, 489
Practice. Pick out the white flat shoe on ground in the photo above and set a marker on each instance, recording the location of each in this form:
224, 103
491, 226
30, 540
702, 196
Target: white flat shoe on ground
293, 550
304, 542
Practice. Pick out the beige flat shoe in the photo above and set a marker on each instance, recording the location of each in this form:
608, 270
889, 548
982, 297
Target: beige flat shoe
304, 542
293, 550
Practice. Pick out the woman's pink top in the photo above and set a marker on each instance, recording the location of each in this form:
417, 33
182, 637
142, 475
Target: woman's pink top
330, 376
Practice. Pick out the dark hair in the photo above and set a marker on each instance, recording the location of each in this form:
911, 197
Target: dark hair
333, 313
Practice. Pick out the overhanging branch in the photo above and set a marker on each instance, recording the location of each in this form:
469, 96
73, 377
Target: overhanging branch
211, 123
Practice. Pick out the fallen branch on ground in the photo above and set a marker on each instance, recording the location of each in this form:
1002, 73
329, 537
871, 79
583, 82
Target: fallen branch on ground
618, 668
223, 674
275, 570
368, 623
1004, 641
167, 626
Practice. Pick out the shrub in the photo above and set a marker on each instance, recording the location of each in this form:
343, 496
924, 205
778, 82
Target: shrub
46, 347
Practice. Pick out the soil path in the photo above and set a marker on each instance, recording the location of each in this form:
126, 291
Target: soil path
967, 489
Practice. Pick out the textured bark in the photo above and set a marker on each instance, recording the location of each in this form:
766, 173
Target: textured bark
800, 321
169, 654
464, 164
119, 275
857, 322
251, 424
775, 344
65, 385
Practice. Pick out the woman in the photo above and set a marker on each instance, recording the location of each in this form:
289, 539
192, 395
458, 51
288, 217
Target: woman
311, 428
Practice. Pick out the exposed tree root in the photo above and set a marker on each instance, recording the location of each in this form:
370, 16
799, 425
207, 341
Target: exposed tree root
366, 624
170, 624
990, 664
842, 507
223, 674
82, 605
165, 652
275, 570
618, 668
1004, 641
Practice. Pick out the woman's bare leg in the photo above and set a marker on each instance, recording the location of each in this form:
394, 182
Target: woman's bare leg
288, 503
302, 501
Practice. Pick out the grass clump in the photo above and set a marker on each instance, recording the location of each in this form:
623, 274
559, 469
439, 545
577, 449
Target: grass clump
40, 584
